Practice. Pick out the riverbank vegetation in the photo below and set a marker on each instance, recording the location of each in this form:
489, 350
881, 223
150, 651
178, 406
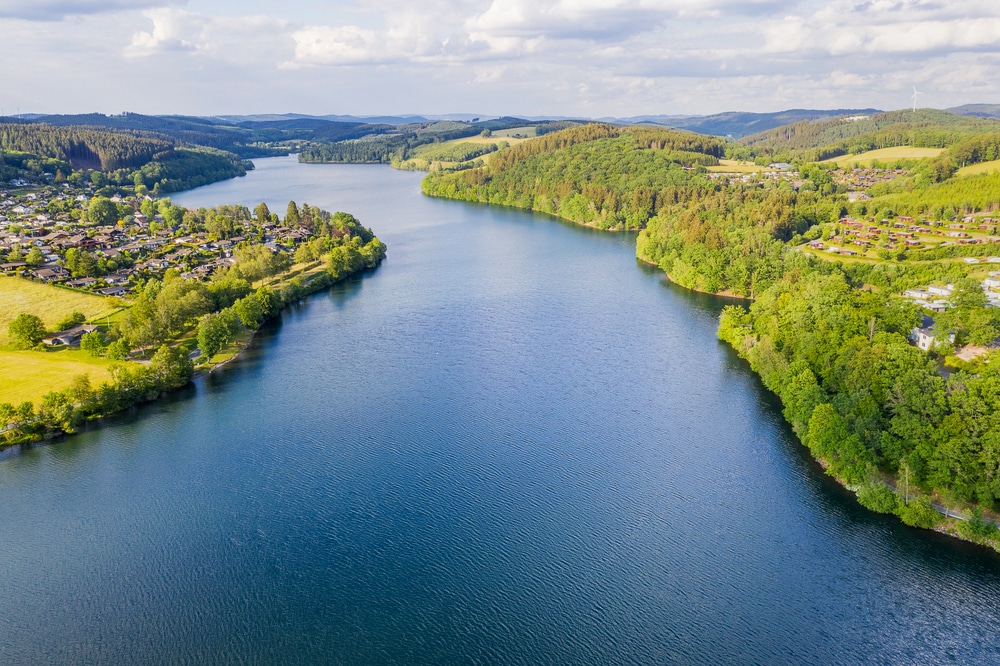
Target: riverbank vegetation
830, 335
173, 326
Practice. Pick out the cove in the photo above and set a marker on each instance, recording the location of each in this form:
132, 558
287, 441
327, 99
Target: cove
511, 443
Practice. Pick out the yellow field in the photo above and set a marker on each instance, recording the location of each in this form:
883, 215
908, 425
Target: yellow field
886, 155
734, 166
28, 375
976, 169
50, 303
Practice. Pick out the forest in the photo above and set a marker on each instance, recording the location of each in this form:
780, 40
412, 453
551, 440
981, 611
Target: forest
84, 147
598, 175
128, 158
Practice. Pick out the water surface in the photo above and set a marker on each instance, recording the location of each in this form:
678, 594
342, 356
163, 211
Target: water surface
509, 444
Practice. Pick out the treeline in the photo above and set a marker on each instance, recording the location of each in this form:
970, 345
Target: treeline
371, 150
379, 147
938, 200
868, 403
14, 164
65, 411
184, 169
983, 148
598, 175
244, 141
107, 150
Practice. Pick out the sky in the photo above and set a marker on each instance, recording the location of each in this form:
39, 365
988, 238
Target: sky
581, 58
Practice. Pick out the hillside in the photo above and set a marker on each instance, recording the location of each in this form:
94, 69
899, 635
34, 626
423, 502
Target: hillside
814, 141
599, 175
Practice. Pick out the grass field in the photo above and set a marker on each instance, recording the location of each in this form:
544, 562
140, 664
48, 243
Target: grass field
733, 166
885, 155
516, 133
28, 375
50, 303
425, 157
976, 169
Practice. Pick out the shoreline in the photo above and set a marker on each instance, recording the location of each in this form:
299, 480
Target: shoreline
314, 285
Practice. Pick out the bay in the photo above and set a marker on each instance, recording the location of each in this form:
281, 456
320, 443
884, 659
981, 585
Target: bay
511, 443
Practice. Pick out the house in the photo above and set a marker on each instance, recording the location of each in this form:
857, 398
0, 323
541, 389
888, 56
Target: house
923, 336
113, 291
70, 337
50, 274
941, 291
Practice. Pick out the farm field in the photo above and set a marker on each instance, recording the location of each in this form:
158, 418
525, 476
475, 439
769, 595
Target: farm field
29, 375
976, 169
50, 303
734, 166
884, 155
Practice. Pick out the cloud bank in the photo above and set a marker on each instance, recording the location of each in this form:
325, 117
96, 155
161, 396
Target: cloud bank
568, 57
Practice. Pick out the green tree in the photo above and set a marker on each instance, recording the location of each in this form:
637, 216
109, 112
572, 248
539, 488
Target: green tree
35, 258
262, 213
74, 319
27, 330
215, 330
292, 218
102, 211
92, 343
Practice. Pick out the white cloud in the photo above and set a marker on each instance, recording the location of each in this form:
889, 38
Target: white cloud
230, 39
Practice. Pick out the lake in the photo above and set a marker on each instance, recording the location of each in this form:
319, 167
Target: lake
510, 444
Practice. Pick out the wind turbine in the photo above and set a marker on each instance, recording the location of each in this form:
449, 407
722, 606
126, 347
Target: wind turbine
914, 98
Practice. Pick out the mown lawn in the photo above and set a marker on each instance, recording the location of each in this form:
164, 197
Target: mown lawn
50, 303
29, 375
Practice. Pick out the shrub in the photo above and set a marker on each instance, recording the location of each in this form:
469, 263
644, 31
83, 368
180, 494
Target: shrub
918, 513
878, 497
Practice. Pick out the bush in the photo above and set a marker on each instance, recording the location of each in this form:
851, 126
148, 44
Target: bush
976, 528
27, 330
878, 497
72, 320
919, 513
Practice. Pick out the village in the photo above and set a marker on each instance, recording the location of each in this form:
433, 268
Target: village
45, 235
851, 237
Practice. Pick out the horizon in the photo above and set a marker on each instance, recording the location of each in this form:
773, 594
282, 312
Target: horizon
461, 116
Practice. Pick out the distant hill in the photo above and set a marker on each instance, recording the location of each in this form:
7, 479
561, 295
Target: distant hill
358, 120
980, 110
738, 124
818, 140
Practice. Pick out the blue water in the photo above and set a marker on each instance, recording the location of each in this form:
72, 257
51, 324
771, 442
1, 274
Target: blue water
510, 444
